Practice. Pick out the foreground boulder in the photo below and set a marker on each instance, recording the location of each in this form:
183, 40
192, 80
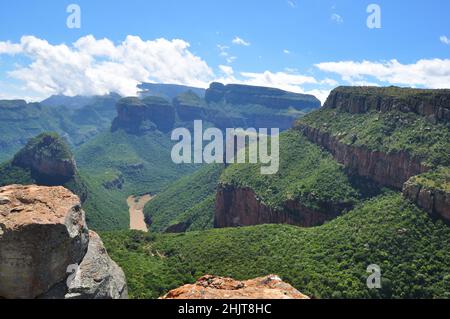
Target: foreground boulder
211, 287
43, 234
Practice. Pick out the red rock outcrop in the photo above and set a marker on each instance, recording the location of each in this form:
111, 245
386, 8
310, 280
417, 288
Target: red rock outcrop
392, 169
236, 207
211, 287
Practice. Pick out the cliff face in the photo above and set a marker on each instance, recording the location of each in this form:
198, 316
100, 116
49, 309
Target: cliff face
211, 287
139, 116
391, 170
434, 104
270, 97
236, 207
42, 234
433, 200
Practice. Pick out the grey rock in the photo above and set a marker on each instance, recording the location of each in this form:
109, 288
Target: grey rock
98, 276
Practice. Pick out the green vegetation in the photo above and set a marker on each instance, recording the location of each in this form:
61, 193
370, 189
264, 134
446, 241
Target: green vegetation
394, 131
20, 121
11, 174
307, 174
188, 200
142, 163
329, 261
438, 179
46, 145
392, 91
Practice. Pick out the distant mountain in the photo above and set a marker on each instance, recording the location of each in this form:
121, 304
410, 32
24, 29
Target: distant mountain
46, 160
167, 91
76, 121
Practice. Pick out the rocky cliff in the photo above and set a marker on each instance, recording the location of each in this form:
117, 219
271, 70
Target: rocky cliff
212, 287
137, 116
269, 97
431, 192
434, 104
392, 169
48, 158
236, 207
43, 238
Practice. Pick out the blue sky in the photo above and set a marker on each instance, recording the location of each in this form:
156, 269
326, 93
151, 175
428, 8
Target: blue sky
302, 45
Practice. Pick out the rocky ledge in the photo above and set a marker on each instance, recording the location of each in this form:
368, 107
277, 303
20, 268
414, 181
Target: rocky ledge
211, 287
44, 242
430, 195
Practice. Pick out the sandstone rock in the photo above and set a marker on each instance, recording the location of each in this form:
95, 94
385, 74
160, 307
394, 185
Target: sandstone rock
49, 159
434, 201
239, 207
43, 230
211, 287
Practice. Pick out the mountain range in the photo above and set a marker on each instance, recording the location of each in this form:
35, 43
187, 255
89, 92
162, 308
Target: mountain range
363, 180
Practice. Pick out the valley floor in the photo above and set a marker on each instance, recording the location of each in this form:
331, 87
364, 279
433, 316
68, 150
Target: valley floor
136, 206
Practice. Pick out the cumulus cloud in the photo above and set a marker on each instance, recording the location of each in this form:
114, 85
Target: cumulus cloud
240, 41
91, 66
432, 73
444, 39
286, 51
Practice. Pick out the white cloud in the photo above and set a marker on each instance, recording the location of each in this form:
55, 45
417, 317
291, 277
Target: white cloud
227, 70
92, 66
286, 51
240, 41
444, 39
337, 18
433, 73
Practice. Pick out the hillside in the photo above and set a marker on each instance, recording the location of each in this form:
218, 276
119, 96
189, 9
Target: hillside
77, 122
187, 204
119, 164
309, 189
328, 261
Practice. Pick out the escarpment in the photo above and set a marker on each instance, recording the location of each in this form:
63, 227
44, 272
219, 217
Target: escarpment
44, 240
434, 104
239, 207
137, 116
388, 169
387, 134
270, 97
